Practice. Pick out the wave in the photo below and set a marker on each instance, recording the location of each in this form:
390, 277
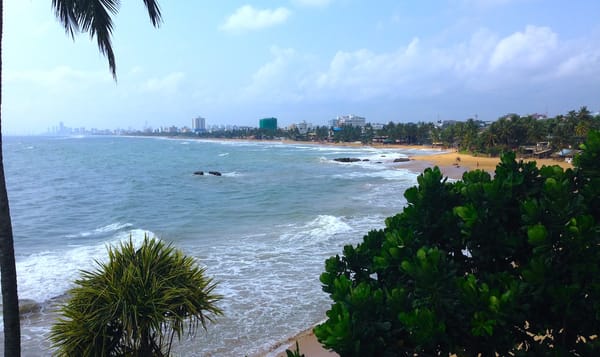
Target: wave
390, 175
50, 274
102, 230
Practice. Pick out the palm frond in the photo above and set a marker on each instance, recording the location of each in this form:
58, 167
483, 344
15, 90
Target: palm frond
137, 301
153, 12
95, 18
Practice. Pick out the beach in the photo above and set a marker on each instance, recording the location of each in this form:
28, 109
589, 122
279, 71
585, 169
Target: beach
453, 164
307, 344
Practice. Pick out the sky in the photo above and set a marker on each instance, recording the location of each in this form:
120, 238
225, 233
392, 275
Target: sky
234, 62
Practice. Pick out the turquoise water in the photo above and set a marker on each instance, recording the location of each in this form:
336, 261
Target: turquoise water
262, 230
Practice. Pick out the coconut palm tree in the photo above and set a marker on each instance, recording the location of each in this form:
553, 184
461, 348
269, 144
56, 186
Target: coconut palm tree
95, 18
135, 304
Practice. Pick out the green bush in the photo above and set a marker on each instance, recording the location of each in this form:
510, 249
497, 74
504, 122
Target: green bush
135, 304
502, 265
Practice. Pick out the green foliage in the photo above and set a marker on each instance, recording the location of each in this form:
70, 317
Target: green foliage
479, 266
135, 303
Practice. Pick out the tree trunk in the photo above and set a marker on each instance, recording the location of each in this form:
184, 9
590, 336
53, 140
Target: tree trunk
10, 300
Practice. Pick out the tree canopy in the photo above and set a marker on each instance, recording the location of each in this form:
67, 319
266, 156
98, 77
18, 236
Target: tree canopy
503, 265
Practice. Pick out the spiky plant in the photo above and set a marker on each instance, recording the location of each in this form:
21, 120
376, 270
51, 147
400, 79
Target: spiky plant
136, 303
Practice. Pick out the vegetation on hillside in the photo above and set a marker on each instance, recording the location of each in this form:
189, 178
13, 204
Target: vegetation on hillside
507, 265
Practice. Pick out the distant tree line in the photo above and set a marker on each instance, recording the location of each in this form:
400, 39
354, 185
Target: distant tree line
509, 132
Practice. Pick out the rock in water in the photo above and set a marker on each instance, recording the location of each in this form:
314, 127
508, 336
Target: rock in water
216, 173
199, 173
346, 159
28, 306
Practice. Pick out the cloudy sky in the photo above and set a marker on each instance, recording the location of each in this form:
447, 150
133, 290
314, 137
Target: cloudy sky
234, 62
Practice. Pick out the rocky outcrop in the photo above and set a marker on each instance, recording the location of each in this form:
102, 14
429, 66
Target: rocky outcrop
347, 159
199, 173
402, 159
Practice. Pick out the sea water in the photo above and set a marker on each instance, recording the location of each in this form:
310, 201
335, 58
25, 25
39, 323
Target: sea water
262, 230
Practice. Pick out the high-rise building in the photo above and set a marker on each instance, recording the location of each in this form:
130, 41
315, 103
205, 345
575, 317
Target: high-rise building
199, 125
268, 123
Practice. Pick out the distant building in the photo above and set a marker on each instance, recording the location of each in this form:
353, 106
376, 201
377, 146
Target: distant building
349, 120
268, 123
377, 126
199, 125
303, 127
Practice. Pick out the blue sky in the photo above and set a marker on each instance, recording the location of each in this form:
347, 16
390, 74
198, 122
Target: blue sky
234, 62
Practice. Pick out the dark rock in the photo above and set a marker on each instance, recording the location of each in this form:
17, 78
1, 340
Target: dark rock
366, 160
346, 159
215, 173
199, 173
402, 159
28, 306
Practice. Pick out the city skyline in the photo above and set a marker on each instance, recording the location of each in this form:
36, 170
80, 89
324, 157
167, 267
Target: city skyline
299, 60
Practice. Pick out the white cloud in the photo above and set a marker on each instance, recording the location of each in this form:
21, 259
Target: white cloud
283, 78
249, 18
312, 3
526, 49
168, 84
484, 63
364, 74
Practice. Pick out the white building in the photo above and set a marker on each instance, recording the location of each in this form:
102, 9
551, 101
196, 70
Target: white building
303, 127
199, 124
350, 120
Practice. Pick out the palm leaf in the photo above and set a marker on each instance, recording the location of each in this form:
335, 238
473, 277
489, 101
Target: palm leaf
137, 301
95, 18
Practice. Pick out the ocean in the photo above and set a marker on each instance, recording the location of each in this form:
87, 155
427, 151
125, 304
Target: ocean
262, 230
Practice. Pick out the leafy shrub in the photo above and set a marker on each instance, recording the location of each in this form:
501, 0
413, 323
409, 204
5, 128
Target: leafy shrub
502, 265
135, 303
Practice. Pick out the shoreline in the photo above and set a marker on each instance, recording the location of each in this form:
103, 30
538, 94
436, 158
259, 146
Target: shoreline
454, 165
451, 163
307, 343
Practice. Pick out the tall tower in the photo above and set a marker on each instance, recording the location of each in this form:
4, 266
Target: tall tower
199, 124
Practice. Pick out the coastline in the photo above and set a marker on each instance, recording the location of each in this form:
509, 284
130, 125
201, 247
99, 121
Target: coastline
452, 165
447, 161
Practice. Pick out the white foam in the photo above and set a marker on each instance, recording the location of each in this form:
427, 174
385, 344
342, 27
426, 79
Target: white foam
224, 154
231, 174
101, 230
46, 275
386, 174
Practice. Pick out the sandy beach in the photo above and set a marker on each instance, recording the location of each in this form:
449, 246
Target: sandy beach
453, 164
307, 343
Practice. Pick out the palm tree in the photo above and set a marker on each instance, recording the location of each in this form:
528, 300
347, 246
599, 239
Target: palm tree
94, 17
135, 303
